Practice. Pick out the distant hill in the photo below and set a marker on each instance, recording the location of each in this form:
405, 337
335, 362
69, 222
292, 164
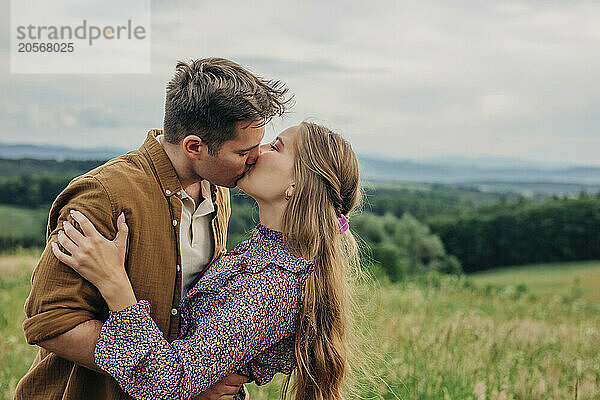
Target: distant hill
488, 162
490, 173
538, 179
59, 153
32, 166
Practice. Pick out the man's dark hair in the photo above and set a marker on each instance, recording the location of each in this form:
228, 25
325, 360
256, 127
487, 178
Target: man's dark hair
208, 97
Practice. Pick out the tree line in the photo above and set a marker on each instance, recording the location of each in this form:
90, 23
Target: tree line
559, 229
404, 231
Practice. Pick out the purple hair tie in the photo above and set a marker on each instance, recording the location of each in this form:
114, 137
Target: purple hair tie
343, 224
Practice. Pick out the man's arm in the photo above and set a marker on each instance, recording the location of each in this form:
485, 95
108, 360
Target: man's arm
60, 299
77, 344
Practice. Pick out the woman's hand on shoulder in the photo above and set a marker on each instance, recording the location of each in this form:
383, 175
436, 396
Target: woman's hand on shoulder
99, 260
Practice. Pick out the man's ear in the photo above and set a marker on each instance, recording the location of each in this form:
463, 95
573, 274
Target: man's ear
194, 147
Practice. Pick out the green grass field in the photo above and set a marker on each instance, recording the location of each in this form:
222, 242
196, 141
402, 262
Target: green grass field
22, 222
549, 279
521, 333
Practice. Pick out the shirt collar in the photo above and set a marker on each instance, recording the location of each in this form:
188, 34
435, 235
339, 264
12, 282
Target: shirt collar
164, 170
206, 206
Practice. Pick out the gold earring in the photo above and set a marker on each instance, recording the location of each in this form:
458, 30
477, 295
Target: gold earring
288, 196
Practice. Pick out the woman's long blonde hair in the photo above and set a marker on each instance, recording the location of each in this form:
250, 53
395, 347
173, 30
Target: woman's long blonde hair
326, 186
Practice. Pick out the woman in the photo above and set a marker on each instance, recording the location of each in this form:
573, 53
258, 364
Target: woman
276, 303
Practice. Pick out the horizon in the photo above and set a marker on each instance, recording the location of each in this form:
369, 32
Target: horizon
448, 159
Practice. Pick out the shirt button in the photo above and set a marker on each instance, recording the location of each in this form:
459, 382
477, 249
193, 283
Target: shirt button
167, 191
174, 311
179, 193
178, 267
174, 222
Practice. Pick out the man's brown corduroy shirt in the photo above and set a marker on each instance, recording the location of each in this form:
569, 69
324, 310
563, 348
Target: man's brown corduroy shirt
144, 185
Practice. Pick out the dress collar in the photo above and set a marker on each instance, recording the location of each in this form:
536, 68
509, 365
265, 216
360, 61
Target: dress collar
268, 246
270, 235
265, 248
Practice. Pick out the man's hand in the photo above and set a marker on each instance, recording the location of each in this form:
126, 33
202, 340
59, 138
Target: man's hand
224, 390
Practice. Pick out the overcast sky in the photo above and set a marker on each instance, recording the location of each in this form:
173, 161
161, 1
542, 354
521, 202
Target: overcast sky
401, 79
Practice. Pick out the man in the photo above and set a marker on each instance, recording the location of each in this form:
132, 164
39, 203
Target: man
173, 191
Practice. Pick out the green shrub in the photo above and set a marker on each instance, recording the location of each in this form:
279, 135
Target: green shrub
403, 246
391, 261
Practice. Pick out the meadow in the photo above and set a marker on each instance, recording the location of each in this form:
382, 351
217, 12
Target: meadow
529, 332
20, 221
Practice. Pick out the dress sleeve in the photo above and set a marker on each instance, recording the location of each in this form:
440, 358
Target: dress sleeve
244, 318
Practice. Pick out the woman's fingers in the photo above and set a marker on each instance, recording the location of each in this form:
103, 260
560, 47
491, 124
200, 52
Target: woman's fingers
62, 257
66, 242
73, 233
88, 228
122, 231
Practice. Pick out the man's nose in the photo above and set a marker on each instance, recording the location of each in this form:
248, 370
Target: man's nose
253, 155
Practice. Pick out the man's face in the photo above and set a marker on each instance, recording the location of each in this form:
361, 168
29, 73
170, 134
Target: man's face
234, 158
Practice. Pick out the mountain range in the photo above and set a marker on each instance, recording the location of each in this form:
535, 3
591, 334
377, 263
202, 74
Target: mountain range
487, 173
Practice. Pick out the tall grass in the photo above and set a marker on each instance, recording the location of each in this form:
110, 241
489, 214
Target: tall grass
431, 338
448, 338
15, 354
